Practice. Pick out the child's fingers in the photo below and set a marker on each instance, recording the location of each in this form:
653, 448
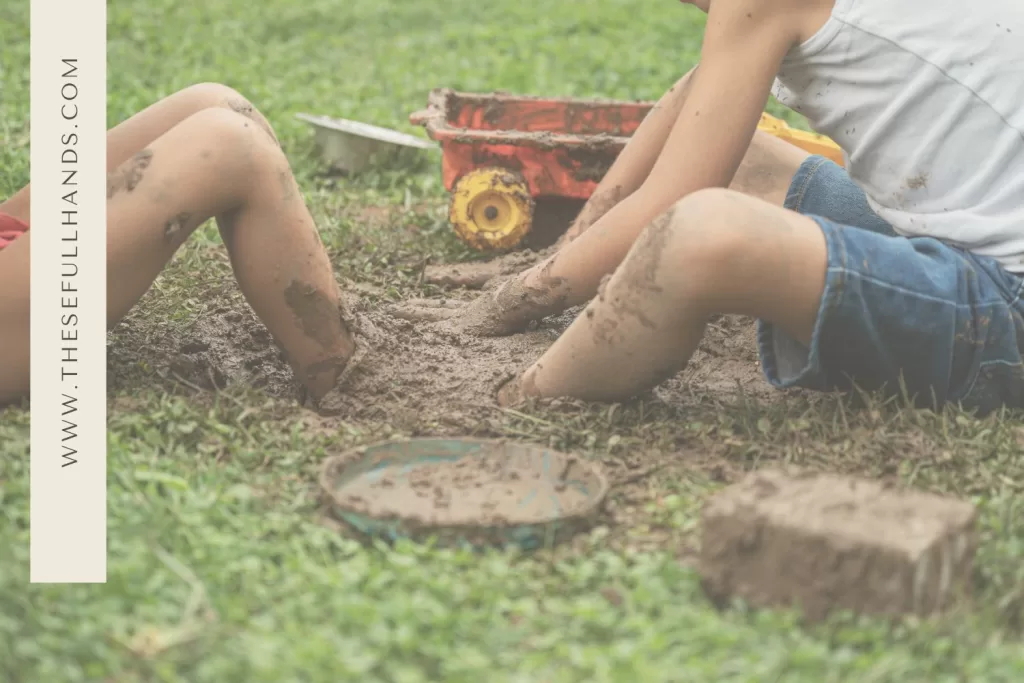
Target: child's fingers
426, 310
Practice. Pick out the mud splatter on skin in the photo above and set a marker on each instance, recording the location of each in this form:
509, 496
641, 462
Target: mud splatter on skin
176, 228
288, 189
517, 390
128, 176
599, 204
639, 277
245, 108
315, 312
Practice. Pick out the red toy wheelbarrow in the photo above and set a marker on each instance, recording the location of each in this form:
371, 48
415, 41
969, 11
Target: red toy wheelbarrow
501, 153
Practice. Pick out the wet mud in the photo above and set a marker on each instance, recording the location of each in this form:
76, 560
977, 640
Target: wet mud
426, 378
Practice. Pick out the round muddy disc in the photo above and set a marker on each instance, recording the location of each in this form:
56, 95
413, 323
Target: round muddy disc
464, 492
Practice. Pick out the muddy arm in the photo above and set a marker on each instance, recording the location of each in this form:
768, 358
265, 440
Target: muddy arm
634, 164
716, 123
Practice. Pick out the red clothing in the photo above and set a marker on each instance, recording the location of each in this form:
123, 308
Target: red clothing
10, 229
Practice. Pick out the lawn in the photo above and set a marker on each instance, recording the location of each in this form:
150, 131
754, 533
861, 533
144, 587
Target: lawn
219, 569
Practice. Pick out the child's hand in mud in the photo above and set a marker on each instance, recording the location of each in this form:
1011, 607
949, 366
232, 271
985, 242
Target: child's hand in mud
481, 317
503, 308
477, 274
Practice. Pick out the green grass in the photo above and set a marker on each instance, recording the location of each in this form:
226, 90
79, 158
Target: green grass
218, 568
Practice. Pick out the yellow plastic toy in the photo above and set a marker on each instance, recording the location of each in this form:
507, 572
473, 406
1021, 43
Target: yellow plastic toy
810, 142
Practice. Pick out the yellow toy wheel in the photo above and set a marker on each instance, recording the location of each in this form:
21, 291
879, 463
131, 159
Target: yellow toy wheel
491, 208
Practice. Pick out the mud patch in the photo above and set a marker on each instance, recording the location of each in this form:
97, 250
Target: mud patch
242, 106
725, 365
175, 229
476, 274
128, 176
316, 313
218, 348
415, 377
431, 372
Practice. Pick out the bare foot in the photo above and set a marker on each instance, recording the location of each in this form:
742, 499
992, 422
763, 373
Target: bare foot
517, 390
510, 393
335, 402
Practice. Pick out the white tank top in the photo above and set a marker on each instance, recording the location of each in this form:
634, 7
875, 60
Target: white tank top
926, 98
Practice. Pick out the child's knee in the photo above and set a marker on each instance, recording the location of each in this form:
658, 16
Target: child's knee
232, 145
219, 96
231, 129
206, 95
704, 235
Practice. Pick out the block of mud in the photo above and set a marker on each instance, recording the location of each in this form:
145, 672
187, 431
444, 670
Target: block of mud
822, 543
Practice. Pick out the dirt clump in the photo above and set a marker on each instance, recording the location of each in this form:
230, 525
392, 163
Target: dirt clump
823, 543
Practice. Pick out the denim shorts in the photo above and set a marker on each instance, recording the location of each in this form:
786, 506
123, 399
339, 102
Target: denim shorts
899, 315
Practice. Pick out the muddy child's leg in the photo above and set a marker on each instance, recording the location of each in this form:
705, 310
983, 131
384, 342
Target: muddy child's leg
840, 306
717, 251
134, 134
221, 163
216, 163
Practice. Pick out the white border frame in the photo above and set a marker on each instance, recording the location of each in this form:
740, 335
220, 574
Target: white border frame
68, 286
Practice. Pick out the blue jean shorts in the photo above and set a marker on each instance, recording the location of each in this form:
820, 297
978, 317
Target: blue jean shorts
913, 315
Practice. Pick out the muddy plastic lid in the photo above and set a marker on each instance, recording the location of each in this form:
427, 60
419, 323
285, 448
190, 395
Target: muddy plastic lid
464, 492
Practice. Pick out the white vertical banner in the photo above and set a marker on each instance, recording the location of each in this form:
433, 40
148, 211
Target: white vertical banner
68, 291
